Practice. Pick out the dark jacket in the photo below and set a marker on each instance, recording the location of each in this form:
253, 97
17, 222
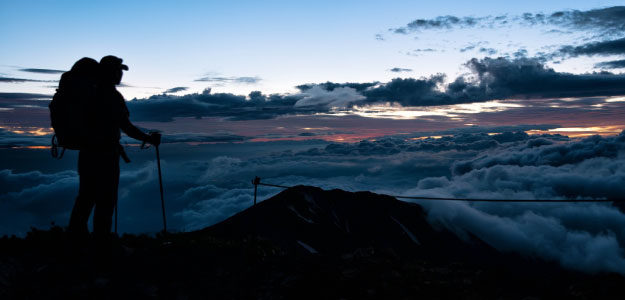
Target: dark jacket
107, 117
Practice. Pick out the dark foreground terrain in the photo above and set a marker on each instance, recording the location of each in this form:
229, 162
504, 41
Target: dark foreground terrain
304, 243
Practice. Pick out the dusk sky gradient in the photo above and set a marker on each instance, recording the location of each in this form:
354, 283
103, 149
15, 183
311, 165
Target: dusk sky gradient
491, 99
283, 43
238, 47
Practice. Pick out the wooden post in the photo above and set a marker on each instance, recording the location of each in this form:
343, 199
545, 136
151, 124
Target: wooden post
255, 182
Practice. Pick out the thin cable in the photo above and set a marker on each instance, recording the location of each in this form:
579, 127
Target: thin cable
479, 200
507, 200
275, 185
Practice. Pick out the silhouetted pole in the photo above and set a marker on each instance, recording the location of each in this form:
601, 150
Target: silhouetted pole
115, 217
255, 182
160, 185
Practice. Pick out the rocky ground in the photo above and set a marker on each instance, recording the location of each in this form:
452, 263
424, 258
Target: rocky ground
304, 243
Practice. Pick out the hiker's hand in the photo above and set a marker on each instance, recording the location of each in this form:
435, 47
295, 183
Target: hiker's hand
154, 139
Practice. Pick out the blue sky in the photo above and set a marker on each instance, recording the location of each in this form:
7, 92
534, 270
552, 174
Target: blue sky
237, 47
279, 44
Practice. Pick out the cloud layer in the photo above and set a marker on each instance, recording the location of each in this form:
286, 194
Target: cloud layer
604, 20
399, 70
208, 184
609, 47
175, 90
489, 79
614, 64
42, 71
22, 80
598, 32
221, 79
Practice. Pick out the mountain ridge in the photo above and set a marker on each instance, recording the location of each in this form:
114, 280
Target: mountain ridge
304, 243
337, 221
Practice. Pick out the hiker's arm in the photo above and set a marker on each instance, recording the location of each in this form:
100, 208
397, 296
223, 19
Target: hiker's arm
134, 132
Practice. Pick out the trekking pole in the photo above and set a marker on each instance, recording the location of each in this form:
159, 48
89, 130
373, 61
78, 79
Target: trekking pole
115, 217
160, 185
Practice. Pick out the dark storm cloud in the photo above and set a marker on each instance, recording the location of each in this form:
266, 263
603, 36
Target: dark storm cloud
527, 78
165, 108
399, 70
608, 20
603, 21
612, 47
24, 96
220, 79
317, 96
176, 89
614, 64
489, 79
410, 92
312, 99
496, 78
42, 71
330, 86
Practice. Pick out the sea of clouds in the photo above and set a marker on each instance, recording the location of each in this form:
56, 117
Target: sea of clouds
206, 184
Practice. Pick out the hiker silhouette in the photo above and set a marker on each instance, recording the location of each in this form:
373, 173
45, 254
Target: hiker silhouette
103, 114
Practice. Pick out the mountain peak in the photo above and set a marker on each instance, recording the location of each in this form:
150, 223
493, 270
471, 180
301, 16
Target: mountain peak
312, 220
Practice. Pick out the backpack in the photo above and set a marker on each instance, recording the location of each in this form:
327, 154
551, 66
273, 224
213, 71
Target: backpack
67, 113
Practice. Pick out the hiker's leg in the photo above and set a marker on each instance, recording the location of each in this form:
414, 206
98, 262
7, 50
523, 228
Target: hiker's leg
80, 215
85, 200
105, 203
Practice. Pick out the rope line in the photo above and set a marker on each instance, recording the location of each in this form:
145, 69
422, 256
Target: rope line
474, 200
275, 185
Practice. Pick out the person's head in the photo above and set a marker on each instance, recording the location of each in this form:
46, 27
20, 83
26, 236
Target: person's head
111, 69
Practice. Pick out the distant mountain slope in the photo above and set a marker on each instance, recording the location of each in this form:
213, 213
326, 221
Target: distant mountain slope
310, 219
304, 243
